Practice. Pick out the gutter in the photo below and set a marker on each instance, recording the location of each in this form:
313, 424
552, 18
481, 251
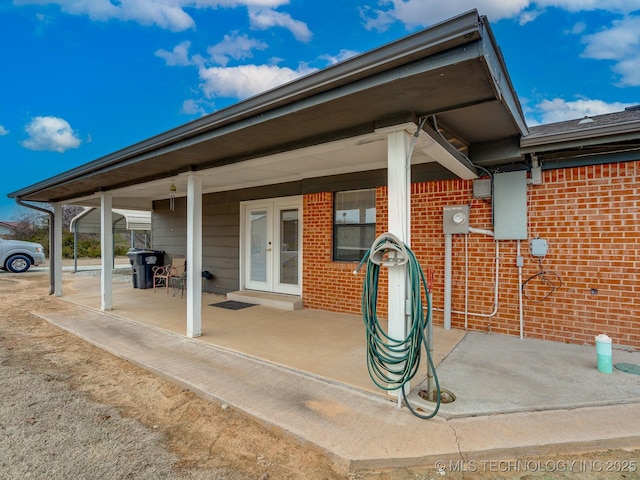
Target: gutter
52, 259
458, 31
584, 136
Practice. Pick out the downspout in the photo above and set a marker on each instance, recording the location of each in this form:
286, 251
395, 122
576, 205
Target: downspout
52, 259
75, 250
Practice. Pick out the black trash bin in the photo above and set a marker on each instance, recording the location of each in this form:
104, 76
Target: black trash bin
133, 260
142, 263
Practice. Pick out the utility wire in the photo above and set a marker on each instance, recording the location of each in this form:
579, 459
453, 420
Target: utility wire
550, 281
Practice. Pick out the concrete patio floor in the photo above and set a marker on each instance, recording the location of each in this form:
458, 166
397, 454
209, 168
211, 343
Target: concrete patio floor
328, 345
304, 372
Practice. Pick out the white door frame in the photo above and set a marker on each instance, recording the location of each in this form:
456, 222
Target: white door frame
273, 207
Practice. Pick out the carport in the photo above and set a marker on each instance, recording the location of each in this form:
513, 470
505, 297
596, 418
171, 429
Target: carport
89, 221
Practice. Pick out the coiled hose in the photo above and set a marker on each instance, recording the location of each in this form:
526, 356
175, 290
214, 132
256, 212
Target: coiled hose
393, 362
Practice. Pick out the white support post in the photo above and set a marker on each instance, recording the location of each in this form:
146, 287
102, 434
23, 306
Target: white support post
106, 249
194, 256
399, 207
57, 250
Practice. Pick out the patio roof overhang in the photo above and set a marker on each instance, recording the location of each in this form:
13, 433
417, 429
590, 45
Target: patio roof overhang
326, 123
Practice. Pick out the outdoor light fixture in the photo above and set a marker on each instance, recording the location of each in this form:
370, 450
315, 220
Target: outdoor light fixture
172, 199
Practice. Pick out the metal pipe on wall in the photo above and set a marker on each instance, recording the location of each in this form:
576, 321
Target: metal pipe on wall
448, 248
520, 292
447, 280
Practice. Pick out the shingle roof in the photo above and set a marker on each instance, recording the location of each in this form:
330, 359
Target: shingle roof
629, 115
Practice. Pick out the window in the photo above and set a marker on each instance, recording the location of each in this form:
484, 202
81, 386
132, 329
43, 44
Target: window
354, 224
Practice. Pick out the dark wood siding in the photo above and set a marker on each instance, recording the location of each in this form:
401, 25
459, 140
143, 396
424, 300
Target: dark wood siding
220, 231
221, 218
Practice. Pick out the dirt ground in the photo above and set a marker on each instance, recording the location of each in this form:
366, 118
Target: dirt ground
63, 399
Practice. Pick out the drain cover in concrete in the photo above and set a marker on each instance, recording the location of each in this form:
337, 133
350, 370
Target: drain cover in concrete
628, 368
232, 305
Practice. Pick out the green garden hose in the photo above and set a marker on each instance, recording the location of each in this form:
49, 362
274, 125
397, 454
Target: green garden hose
393, 362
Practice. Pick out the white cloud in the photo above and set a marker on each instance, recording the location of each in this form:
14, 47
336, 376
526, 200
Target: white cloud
50, 133
3, 131
578, 28
193, 107
621, 44
342, 55
529, 16
617, 6
629, 71
246, 80
238, 3
373, 19
171, 14
235, 47
619, 41
167, 14
415, 13
263, 19
179, 56
560, 110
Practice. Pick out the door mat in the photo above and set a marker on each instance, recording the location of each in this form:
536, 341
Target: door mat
232, 305
628, 368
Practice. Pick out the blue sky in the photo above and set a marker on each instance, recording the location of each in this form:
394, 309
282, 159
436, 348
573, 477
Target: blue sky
84, 78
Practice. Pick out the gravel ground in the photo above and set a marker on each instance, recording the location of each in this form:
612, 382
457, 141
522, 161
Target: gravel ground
49, 431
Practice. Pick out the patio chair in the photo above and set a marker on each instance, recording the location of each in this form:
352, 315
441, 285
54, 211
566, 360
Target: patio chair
163, 274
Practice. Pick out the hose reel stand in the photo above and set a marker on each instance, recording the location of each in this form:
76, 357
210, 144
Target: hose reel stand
388, 251
393, 362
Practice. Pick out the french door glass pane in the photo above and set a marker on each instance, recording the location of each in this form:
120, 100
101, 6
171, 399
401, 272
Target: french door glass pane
258, 220
289, 246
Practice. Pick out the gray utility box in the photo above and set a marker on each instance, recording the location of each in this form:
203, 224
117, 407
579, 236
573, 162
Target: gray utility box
510, 205
455, 219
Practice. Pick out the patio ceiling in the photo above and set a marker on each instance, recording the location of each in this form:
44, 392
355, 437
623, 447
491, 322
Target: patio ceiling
327, 123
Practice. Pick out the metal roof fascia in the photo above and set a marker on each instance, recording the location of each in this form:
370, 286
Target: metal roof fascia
460, 27
501, 79
617, 132
588, 160
461, 54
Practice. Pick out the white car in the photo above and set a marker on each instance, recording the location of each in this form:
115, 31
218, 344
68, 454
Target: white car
18, 256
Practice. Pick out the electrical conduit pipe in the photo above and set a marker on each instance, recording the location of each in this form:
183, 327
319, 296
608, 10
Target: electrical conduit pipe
447, 280
448, 247
520, 293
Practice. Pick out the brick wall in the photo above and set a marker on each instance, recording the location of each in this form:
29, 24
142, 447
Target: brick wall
589, 217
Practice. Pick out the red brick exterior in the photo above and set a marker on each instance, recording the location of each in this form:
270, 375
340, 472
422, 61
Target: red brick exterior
589, 217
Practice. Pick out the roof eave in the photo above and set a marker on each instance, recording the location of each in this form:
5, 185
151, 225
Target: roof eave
462, 29
583, 137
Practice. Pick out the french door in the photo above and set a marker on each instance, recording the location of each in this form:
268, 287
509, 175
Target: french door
272, 245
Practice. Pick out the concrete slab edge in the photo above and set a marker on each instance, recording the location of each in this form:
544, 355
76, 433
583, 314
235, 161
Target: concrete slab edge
502, 453
383, 396
578, 442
